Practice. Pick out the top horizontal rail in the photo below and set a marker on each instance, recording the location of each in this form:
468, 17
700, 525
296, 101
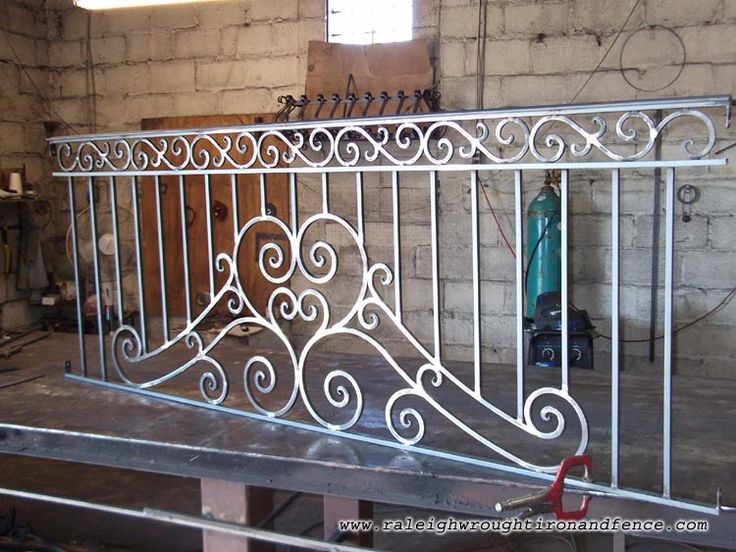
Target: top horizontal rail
698, 102
516, 136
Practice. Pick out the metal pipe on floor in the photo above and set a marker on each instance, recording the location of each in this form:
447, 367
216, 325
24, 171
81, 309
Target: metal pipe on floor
184, 520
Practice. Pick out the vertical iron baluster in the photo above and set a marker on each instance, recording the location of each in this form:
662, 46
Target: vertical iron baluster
359, 213
161, 259
116, 236
210, 245
397, 245
435, 267
474, 221
96, 268
325, 193
668, 317
236, 205
77, 279
185, 247
139, 262
293, 204
565, 358
519, 226
262, 191
615, 223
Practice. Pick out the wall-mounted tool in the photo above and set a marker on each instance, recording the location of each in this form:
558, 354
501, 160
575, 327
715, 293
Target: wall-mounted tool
687, 194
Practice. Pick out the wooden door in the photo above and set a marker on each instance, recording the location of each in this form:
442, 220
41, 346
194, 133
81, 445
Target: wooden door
255, 285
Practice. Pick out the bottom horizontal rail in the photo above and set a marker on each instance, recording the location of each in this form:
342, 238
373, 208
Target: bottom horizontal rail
571, 485
184, 520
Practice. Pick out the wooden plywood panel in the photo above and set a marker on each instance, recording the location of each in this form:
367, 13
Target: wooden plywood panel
256, 286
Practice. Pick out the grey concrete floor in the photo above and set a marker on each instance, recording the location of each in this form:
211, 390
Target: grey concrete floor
80, 530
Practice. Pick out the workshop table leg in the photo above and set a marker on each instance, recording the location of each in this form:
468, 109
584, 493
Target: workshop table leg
337, 508
237, 503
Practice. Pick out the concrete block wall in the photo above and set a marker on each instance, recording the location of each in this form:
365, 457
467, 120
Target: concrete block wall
239, 56
23, 87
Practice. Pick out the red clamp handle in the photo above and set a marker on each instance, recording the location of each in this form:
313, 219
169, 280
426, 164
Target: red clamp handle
554, 495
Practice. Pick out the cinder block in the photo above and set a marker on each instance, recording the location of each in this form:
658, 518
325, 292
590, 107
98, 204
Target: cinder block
172, 77
11, 138
246, 73
709, 44
569, 54
267, 11
676, 13
16, 314
287, 38
149, 46
455, 58
603, 17
462, 21
125, 79
722, 232
312, 9
535, 90
222, 14
174, 17
108, 49
66, 53
550, 18
508, 57
250, 40
197, 43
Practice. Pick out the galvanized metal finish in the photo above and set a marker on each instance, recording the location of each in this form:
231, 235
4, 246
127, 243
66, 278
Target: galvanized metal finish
569, 138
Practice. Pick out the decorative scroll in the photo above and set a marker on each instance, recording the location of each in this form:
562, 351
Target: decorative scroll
491, 138
341, 389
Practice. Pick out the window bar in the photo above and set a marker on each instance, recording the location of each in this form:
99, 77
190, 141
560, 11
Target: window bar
210, 245
668, 316
185, 247
474, 221
139, 262
615, 323
96, 268
77, 280
397, 245
161, 259
519, 224
116, 236
435, 267
236, 203
565, 357
360, 213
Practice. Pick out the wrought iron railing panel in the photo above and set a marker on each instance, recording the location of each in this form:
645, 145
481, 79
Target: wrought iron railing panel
299, 268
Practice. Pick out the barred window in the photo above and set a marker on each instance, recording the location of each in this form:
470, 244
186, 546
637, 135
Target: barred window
369, 22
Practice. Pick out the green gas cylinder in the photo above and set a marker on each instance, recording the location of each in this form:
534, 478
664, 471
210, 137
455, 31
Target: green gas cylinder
543, 244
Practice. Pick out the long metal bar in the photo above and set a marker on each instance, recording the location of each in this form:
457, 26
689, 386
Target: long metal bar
185, 247
475, 232
235, 203
595, 489
656, 216
532, 111
139, 263
395, 201
293, 204
116, 238
615, 323
450, 167
262, 194
436, 314
210, 244
325, 192
359, 210
77, 279
564, 299
98, 284
669, 255
519, 262
184, 520
161, 260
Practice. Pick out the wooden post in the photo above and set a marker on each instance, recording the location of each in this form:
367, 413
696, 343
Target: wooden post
237, 503
339, 508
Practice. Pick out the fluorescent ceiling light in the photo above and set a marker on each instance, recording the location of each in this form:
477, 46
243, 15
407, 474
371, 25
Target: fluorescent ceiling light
115, 4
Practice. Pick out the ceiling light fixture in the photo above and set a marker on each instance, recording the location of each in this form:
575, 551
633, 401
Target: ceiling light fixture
116, 4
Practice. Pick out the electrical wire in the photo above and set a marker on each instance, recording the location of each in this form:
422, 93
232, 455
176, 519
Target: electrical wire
711, 312
498, 222
43, 96
608, 51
